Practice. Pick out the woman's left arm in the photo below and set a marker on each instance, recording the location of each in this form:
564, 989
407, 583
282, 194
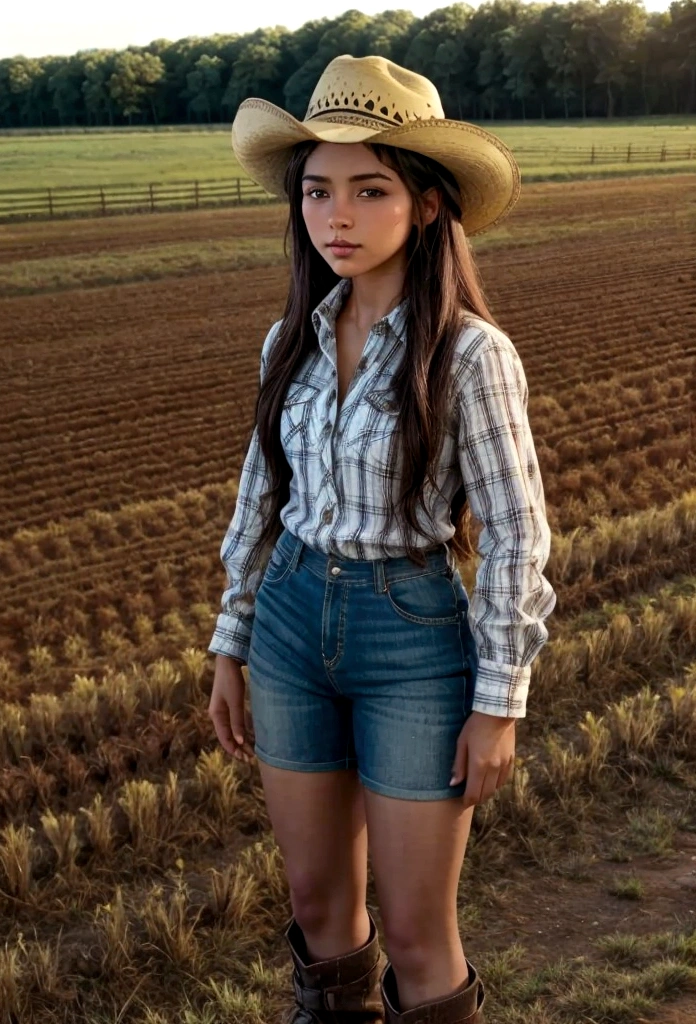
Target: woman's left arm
511, 597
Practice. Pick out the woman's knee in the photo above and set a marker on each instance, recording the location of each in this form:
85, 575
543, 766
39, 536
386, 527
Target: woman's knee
311, 898
411, 942
318, 897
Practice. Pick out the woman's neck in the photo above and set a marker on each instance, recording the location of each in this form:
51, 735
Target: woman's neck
372, 296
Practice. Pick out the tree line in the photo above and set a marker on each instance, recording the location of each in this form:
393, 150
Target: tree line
503, 60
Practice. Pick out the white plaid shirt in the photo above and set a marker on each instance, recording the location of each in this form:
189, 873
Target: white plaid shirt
336, 493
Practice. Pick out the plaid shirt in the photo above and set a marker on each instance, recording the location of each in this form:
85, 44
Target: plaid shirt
336, 493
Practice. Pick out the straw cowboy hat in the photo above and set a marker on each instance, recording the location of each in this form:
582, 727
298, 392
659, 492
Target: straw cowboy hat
371, 99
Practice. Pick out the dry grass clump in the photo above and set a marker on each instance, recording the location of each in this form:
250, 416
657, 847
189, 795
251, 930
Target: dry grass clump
635, 974
590, 667
587, 552
607, 769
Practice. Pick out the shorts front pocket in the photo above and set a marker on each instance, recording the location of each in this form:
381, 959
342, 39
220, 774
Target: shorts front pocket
429, 598
278, 566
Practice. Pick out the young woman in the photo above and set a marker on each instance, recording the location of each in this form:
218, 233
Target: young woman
391, 407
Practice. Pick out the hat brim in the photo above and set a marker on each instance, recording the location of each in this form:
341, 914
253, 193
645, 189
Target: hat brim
489, 179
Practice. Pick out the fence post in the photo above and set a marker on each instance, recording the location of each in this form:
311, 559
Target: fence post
628, 154
50, 204
152, 200
102, 198
592, 156
239, 191
663, 154
195, 192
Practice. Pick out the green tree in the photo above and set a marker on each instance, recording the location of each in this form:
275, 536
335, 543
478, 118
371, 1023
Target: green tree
618, 27
683, 16
389, 34
558, 54
27, 82
204, 86
133, 81
97, 68
525, 69
64, 85
257, 69
488, 26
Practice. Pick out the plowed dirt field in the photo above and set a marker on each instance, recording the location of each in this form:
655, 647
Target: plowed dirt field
125, 412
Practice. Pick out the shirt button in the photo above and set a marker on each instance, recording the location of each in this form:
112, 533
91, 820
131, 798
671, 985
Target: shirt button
335, 570
333, 394
362, 364
327, 514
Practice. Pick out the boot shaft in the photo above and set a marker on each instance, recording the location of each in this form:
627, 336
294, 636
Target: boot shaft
464, 1006
341, 990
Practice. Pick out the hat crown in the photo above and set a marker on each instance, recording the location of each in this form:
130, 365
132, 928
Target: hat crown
372, 91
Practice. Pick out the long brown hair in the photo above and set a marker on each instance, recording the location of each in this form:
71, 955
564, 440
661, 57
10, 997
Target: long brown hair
442, 283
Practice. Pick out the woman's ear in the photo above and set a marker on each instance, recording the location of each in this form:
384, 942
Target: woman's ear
431, 205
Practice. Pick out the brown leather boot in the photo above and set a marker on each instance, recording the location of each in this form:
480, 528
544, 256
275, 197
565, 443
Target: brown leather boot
343, 990
463, 1006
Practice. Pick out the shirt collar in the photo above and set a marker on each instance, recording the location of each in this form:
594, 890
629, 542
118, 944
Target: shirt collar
326, 313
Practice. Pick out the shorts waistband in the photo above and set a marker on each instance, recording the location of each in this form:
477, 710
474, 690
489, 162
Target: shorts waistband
352, 570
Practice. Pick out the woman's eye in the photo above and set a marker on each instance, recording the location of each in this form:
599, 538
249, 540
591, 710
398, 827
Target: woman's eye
376, 192
310, 192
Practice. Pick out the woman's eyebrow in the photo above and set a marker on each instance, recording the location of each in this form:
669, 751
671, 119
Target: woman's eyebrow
355, 177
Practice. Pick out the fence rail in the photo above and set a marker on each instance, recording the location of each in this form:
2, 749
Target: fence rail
90, 200
22, 203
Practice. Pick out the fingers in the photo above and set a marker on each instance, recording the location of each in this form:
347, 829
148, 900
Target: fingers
233, 724
459, 768
223, 729
484, 781
232, 737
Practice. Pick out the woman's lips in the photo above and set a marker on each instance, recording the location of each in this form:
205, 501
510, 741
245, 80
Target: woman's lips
342, 248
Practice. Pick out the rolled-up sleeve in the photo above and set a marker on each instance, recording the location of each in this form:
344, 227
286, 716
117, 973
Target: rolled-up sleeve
503, 484
232, 633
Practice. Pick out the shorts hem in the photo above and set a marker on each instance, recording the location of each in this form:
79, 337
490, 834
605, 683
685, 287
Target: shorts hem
305, 766
413, 794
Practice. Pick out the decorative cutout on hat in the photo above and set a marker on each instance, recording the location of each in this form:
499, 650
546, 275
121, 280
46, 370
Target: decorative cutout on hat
365, 104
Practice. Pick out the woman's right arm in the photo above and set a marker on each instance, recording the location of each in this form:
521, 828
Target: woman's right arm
234, 624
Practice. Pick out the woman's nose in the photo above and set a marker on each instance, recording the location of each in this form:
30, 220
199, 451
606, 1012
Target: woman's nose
339, 217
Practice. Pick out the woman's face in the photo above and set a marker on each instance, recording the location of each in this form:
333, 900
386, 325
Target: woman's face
349, 196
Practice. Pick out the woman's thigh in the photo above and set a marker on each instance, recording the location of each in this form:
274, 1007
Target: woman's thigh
318, 820
416, 850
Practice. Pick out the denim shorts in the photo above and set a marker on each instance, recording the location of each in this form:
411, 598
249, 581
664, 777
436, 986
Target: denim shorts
366, 665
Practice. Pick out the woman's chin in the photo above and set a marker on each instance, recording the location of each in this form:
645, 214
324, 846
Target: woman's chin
352, 266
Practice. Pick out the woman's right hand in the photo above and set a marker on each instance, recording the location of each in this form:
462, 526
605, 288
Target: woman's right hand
233, 726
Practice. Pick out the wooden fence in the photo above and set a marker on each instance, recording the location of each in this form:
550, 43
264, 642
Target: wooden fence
91, 200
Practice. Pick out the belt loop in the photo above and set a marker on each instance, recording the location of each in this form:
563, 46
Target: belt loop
378, 572
296, 554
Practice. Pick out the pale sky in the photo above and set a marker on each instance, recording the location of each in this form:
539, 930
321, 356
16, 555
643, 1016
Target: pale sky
46, 28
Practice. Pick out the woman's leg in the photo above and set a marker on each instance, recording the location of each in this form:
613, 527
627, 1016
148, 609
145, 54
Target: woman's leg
416, 849
318, 820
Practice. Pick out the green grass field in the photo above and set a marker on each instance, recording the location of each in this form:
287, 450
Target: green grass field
120, 156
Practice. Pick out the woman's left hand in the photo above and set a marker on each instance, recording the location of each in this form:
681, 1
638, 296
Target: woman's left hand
485, 756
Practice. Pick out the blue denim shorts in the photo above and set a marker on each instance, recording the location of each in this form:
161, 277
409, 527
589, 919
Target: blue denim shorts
366, 665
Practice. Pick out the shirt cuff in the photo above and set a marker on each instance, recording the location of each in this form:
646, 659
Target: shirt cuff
231, 638
501, 689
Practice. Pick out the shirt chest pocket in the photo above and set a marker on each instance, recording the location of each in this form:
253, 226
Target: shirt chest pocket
298, 417
372, 437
